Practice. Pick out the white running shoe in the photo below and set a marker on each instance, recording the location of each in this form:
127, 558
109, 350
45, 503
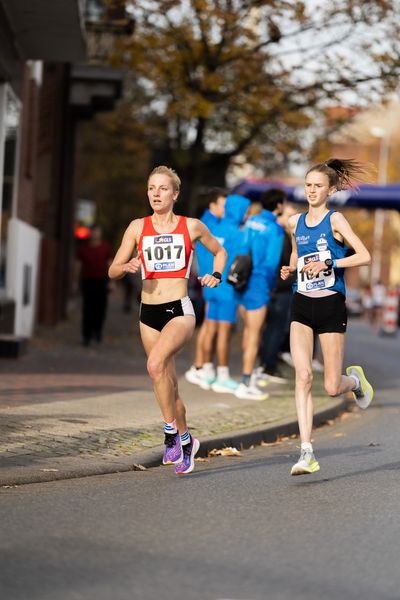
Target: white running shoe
306, 464
207, 381
364, 393
258, 379
194, 375
225, 386
250, 392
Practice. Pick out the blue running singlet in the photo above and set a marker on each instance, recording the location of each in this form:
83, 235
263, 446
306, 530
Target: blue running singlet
315, 244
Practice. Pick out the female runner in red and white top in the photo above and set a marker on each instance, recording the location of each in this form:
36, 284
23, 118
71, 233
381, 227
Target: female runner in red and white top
164, 250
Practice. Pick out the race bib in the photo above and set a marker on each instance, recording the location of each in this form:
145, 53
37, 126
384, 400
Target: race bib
322, 281
164, 252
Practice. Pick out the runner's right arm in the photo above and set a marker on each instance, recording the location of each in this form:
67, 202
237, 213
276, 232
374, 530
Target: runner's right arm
288, 270
123, 262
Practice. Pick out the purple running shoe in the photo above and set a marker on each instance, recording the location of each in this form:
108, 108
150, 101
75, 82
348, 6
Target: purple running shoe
173, 450
189, 452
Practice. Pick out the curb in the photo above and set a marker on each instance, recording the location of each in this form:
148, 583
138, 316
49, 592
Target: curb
243, 438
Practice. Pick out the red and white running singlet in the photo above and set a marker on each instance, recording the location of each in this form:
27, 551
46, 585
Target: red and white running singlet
165, 255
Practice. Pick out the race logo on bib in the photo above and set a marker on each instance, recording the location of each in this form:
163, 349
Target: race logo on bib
322, 243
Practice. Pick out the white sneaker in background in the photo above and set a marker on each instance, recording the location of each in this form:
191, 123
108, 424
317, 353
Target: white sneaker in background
206, 381
250, 392
225, 386
194, 375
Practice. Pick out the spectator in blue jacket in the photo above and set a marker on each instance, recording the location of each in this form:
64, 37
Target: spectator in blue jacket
222, 305
264, 239
203, 371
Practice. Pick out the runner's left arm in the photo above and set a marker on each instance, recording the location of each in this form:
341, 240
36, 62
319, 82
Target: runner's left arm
201, 233
361, 255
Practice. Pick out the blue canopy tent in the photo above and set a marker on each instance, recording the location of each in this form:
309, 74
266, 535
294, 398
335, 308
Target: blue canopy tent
366, 196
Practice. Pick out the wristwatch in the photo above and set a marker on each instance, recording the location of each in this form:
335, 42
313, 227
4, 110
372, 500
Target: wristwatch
217, 275
329, 263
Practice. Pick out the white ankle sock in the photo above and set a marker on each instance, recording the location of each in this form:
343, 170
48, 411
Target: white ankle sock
209, 369
307, 446
223, 373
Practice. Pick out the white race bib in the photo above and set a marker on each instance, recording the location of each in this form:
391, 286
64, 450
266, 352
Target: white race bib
164, 252
322, 281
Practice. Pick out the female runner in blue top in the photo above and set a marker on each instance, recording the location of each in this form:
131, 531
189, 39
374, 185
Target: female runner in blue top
320, 238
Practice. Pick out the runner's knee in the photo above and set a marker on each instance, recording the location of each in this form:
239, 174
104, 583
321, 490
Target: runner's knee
304, 377
155, 367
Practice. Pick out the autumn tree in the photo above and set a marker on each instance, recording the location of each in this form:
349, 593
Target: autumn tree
214, 79
112, 166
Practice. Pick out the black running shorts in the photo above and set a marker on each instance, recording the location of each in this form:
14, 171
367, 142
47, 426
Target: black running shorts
327, 314
157, 316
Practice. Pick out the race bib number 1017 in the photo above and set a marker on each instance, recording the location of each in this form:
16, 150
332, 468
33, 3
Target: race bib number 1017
322, 281
164, 252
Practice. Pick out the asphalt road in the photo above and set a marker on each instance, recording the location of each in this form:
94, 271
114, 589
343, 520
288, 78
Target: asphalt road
236, 529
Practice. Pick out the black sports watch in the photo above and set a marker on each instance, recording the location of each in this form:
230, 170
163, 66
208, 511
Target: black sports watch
329, 263
217, 275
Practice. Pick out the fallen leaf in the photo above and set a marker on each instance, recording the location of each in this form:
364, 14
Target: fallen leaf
373, 444
269, 443
225, 452
200, 459
339, 434
137, 467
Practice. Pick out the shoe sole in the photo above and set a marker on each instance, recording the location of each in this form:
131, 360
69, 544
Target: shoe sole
205, 386
259, 399
365, 385
304, 471
222, 390
192, 380
196, 446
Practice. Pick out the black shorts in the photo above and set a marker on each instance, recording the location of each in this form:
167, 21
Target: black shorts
158, 315
327, 314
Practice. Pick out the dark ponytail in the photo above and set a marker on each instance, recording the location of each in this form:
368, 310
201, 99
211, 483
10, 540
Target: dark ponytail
342, 172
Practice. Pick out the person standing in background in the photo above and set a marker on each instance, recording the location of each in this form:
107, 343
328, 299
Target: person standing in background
202, 372
264, 239
222, 304
95, 258
278, 318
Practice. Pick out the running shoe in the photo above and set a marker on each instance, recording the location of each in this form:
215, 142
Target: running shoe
194, 375
306, 464
250, 392
173, 450
207, 381
189, 452
265, 375
225, 386
364, 392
